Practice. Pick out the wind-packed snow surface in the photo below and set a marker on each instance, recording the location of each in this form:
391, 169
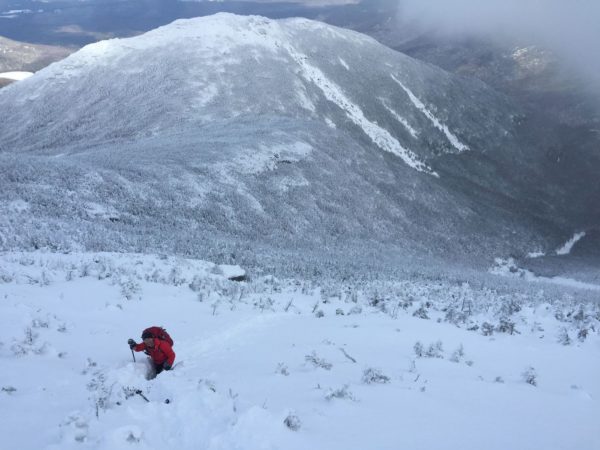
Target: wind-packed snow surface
288, 364
287, 134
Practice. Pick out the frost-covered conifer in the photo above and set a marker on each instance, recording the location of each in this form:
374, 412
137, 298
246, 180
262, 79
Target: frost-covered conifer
130, 288
530, 376
435, 350
341, 393
293, 422
487, 329
563, 337
371, 375
506, 326
282, 368
318, 362
419, 349
421, 313
458, 354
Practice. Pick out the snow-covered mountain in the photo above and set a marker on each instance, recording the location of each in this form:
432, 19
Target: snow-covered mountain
561, 103
333, 171
290, 134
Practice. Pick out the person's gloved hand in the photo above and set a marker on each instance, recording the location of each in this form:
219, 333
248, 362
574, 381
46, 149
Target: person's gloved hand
131, 343
167, 366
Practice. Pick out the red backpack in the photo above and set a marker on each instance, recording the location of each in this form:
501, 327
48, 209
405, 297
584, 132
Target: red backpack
158, 333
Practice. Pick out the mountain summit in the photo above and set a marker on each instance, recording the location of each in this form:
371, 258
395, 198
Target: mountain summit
286, 134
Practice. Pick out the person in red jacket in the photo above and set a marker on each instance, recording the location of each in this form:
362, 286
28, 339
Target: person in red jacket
160, 351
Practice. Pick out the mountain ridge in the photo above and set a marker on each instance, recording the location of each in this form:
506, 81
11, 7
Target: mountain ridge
286, 132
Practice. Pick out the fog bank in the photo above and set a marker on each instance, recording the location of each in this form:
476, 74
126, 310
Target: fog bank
570, 28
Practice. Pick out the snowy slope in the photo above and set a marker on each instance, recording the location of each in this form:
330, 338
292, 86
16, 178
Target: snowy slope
341, 361
288, 134
193, 72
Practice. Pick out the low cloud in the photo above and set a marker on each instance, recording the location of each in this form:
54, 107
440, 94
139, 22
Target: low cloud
570, 28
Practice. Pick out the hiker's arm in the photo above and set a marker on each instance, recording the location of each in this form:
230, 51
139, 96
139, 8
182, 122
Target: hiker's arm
140, 347
169, 353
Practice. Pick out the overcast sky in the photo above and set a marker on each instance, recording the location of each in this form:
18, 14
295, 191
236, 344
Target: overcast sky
570, 27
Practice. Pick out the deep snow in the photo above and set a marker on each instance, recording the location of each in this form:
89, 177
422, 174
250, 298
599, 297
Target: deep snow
337, 360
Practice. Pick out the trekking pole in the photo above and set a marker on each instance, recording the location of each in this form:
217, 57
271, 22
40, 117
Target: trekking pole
133, 354
139, 392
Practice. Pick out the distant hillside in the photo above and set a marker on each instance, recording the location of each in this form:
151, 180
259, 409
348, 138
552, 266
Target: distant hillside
287, 134
20, 56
